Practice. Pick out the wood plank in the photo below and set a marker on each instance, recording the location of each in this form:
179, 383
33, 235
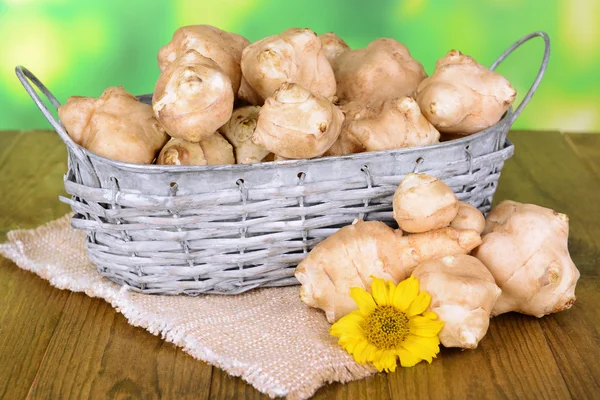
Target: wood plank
512, 361
224, 386
31, 178
587, 148
549, 172
29, 314
373, 387
95, 352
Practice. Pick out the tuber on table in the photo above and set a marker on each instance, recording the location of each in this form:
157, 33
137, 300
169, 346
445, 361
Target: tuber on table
295, 56
525, 248
355, 253
116, 126
423, 203
214, 150
468, 217
462, 96
295, 123
383, 70
192, 97
224, 48
333, 46
383, 125
463, 293
239, 130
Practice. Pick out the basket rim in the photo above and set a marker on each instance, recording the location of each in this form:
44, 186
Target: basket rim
155, 168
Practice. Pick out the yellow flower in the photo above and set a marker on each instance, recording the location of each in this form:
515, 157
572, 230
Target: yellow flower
390, 323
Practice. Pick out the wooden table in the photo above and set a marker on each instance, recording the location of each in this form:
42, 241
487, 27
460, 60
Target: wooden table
57, 344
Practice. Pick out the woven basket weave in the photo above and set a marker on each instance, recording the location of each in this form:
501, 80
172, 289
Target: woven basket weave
227, 229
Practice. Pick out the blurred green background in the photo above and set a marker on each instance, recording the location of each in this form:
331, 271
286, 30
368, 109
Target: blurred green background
79, 47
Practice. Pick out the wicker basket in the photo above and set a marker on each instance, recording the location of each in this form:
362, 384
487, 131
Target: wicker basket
227, 229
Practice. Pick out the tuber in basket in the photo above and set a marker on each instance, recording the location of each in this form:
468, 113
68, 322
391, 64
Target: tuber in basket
231, 228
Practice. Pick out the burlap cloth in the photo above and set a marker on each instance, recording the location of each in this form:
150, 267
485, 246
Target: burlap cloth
267, 336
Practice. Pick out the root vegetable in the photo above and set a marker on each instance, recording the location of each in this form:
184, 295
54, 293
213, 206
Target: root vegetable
383, 70
115, 126
463, 293
349, 258
525, 248
296, 56
239, 130
423, 203
462, 96
224, 48
468, 217
380, 125
214, 150
193, 97
333, 46
295, 123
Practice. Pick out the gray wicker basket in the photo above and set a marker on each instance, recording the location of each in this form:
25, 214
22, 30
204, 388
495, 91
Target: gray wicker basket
227, 229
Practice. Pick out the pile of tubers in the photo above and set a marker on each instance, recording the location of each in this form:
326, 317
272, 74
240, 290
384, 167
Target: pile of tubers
223, 100
473, 267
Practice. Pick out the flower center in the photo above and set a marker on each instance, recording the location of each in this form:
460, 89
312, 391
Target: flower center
386, 327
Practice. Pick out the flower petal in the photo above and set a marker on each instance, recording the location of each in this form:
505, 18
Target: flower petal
391, 291
407, 359
366, 353
419, 305
422, 326
380, 291
386, 361
425, 348
430, 315
405, 293
358, 351
363, 300
349, 325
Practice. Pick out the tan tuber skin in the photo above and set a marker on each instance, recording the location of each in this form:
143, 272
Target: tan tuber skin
383, 70
525, 248
239, 130
463, 293
296, 55
468, 217
380, 125
295, 123
462, 96
349, 258
192, 97
423, 203
115, 126
214, 150
222, 47
333, 46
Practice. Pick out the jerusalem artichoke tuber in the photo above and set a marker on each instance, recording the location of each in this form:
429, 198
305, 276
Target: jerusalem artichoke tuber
462, 96
468, 217
295, 123
463, 293
525, 248
383, 125
383, 70
349, 258
193, 97
295, 56
224, 48
115, 126
423, 203
214, 150
239, 130
333, 46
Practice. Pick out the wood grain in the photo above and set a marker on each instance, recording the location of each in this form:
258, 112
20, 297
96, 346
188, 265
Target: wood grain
95, 350
30, 310
56, 344
32, 166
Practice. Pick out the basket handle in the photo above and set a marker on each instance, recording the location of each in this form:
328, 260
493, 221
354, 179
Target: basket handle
539, 75
27, 78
